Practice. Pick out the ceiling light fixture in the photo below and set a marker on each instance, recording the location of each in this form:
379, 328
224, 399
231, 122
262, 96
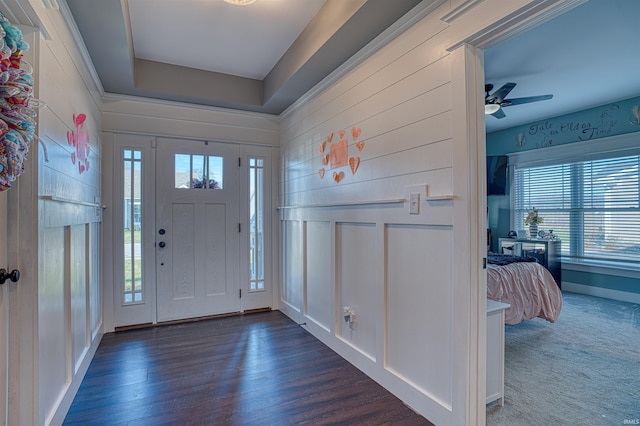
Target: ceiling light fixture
241, 2
491, 108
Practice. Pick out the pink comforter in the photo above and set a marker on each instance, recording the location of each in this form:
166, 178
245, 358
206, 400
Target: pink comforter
528, 287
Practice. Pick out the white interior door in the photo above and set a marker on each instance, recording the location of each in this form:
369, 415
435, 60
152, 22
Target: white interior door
198, 228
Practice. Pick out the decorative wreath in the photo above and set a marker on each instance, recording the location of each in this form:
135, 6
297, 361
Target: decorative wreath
17, 116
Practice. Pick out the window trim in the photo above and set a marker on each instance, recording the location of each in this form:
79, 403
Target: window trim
596, 149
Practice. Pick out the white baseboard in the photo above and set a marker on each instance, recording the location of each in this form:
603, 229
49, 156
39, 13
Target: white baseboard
70, 393
623, 296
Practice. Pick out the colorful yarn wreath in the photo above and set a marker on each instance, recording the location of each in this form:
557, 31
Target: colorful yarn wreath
17, 117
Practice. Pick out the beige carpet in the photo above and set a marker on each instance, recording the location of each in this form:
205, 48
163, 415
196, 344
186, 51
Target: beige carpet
582, 370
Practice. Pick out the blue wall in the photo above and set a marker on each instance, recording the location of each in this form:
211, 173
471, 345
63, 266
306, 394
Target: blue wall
611, 282
595, 123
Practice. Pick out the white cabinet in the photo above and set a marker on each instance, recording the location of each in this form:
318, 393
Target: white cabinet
495, 351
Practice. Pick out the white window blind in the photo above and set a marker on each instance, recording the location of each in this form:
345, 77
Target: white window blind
592, 206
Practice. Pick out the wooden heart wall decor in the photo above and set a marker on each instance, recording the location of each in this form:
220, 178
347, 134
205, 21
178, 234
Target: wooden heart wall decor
338, 156
80, 140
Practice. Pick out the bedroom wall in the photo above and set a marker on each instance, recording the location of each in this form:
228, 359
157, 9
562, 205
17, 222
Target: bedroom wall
591, 124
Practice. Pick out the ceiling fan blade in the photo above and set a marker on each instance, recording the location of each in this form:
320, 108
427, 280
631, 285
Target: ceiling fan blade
499, 95
499, 114
519, 101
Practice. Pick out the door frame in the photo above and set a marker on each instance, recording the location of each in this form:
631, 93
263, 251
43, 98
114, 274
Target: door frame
200, 303
468, 106
119, 315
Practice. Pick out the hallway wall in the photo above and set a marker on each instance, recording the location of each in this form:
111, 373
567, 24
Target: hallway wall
69, 326
397, 292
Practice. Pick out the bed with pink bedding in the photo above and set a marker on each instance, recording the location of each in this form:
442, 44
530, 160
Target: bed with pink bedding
528, 287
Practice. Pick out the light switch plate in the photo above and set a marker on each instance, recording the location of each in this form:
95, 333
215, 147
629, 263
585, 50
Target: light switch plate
414, 203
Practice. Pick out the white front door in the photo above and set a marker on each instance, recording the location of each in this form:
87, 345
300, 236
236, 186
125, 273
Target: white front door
197, 229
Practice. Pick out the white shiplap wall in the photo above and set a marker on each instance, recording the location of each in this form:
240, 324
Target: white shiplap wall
413, 281
393, 269
69, 300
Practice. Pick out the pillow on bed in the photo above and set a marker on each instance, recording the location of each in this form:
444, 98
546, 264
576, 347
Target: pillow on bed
505, 259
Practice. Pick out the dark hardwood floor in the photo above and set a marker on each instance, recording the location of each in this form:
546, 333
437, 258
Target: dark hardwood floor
258, 369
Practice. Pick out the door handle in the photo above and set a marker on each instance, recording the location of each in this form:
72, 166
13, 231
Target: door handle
14, 276
162, 244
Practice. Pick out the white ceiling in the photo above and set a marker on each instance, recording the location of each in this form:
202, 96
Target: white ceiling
279, 49
260, 57
246, 41
586, 57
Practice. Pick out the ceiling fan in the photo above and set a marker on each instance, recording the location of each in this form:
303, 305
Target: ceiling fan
494, 102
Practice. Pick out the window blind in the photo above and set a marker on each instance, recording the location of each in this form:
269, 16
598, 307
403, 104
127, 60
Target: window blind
592, 206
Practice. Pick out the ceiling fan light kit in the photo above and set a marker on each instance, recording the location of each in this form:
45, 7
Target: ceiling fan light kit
241, 2
491, 108
494, 102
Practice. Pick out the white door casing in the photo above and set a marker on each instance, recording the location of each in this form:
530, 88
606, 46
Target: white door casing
158, 154
197, 233
4, 310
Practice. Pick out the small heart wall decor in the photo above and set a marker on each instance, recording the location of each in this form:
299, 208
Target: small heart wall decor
341, 133
360, 145
354, 162
321, 147
338, 176
355, 132
325, 160
79, 119
321, 173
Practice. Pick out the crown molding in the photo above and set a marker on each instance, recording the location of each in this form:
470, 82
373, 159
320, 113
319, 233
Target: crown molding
460, 10
67, 17
398, 27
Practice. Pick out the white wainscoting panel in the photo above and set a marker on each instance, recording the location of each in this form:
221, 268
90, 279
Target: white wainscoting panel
54, 343
419, 307
319, 300
293, 269
78, 257
356, 258
69, 221
95, 293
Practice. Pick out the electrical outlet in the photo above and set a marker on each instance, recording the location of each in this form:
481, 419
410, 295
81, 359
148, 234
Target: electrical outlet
414, 203
346, 312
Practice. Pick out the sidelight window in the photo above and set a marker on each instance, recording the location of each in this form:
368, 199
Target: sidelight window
132, 285
256, 224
